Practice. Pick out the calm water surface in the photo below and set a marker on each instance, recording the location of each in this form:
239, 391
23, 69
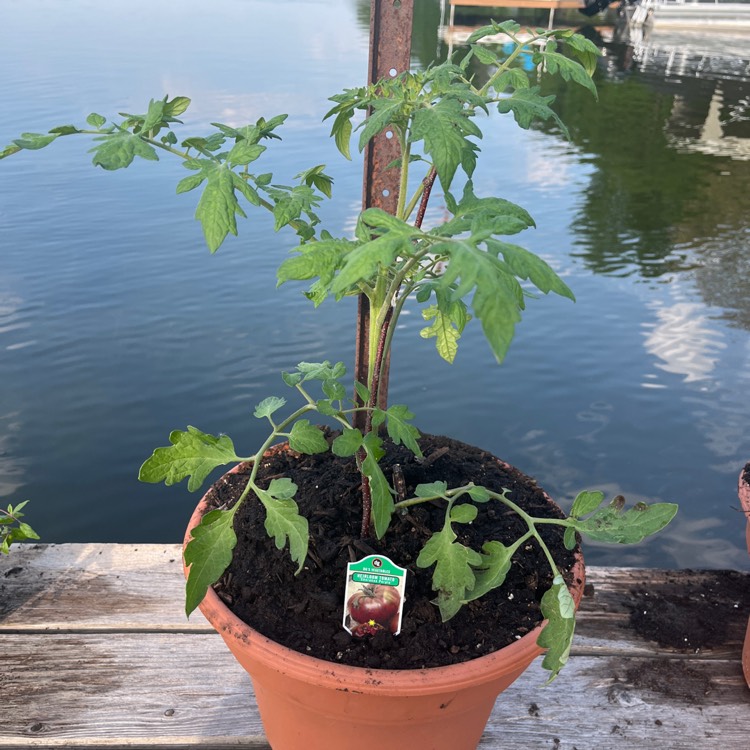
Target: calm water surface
117, 326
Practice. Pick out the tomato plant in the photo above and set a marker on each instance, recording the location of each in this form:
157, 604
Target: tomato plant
376, 603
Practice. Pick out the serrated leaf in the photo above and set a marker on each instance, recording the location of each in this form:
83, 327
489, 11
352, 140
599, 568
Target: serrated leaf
491, 572
384, 112
342, 132
326, 407
334, 390
268, 406
362, 391
484, 55
286, 526
512, 78
292, 378
610, 524
527, 265
189, 183
208, 554
465, 513
218, 206
380, 491
250, 193
586, 502
528, 106
400, 429
320, 259
558, 608
244, 152
569, 70
347, 443
447, 325
453, 575
445, 128
154, 116
117, 151
307, 438
193, 454
362, 263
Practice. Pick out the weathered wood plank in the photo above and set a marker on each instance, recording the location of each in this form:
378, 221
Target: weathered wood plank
78, 587
93, 658
93, 587
133, 690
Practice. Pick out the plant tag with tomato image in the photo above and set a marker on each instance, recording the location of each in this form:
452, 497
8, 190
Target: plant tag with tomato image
374, 598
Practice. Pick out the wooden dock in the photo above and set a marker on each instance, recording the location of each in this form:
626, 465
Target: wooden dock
95, 653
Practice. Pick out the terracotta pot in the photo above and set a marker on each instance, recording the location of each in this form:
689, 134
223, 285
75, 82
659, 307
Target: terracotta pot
744, 495
310, 704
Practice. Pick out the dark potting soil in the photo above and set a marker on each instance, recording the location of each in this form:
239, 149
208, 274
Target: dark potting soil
304, 612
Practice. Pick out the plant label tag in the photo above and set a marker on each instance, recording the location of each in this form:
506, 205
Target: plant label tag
374, 596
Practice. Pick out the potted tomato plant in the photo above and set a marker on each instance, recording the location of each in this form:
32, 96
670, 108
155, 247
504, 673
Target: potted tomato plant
492, 567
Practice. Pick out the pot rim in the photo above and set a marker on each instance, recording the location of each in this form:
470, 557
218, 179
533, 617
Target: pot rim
428, 680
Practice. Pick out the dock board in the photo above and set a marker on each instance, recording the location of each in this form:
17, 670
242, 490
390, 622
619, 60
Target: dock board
91, 657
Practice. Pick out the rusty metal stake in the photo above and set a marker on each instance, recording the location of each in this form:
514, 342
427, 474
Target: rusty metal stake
390, 55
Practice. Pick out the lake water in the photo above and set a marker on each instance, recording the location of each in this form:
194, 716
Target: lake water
117, 325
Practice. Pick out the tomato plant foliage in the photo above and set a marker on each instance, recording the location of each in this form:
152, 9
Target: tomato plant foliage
462, 271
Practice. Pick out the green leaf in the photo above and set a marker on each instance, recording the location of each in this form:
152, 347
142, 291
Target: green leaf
117, 150
380, 490
193, 454
491, 572
449, 317
445, 128
176, 106
569, 538
320, 259
284, 522
569, 70
347, 443
384, 112
400, 430
362, 391
268, 406
465, 513
95, 120
497, 298
326, 407
558, 609
586, 502
282, 489
610, 524
362, 263
65, 130
431, 489
453, 575
190, 183
342, 132
479, 494
218, 205
527, 265
155, 116
244, 152
208, 554
528, 106
34, 141
306, 438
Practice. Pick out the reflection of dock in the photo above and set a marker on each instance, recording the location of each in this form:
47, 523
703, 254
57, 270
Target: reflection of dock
552, 5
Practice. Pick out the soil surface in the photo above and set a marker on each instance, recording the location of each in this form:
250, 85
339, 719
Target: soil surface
691, 616
305, 612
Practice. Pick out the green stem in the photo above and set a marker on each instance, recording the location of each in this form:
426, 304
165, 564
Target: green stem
502, 68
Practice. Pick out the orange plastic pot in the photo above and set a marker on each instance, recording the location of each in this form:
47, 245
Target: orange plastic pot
310, 704
743, 491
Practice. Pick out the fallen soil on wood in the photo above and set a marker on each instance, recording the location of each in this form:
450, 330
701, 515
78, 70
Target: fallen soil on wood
305, 611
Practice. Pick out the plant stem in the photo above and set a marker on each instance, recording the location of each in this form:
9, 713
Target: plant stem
428, 182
